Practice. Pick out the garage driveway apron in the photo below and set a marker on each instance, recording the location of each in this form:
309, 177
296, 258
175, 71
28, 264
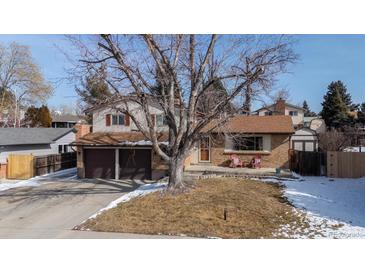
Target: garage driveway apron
52, 209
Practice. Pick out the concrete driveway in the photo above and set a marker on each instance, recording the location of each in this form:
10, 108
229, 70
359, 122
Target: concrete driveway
57, 204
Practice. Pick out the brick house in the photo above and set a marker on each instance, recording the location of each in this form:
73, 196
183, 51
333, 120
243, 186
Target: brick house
116, 149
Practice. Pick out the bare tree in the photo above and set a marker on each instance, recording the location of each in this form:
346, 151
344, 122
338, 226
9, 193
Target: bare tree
333, 140
21, 77
186, 67
278, 59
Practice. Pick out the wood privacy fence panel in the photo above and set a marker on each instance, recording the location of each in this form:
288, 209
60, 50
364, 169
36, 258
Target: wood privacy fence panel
346, 164
308, 163
20, 166
54, 162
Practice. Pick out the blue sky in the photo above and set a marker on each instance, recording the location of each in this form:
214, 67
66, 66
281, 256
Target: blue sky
323, 58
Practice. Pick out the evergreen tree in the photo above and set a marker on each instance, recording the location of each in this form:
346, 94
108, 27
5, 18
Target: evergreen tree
212, 96
94, 89
361, 114
307, 111
38, 117
336, 106
44, 117
346, 97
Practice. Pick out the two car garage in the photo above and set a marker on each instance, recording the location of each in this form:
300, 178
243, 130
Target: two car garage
133, 163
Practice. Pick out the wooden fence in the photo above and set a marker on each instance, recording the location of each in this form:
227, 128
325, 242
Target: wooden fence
345, 164
27, 166
20, 166
308, 163
54, 162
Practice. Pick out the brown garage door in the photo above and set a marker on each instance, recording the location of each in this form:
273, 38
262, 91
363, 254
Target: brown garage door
99, 163
135, 163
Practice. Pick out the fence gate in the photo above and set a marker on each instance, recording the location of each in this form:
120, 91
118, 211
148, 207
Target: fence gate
308, 163
54, 162
20, 166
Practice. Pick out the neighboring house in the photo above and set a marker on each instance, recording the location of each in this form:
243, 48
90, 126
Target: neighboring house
116, 149
307, 128
36, 141
66, 120
281, 107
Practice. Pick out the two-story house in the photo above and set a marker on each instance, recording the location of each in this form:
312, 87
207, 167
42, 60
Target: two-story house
281, 107
307, 128
117, 149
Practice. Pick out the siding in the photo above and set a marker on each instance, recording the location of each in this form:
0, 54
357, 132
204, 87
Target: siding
99, 119
296, 119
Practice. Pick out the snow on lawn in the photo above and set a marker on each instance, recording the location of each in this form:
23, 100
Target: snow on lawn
36, 181
335, 207
139, 192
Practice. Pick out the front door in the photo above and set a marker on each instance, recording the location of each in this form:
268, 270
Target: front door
204, 151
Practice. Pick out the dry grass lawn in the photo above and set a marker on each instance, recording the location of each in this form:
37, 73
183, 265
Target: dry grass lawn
253, 210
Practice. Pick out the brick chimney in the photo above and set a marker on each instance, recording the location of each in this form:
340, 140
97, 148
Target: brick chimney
280, 107
82, 130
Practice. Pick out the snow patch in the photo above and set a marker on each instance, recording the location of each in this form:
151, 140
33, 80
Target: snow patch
139, 192
335, 207
36, 181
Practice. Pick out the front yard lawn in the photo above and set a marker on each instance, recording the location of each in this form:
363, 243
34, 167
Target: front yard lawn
220, 207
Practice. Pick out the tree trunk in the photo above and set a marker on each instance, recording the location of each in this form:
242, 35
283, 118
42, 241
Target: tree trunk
248, 100
176, 173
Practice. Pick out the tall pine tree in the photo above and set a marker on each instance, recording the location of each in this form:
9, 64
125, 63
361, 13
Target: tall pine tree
307, 111
93, 90
336, 105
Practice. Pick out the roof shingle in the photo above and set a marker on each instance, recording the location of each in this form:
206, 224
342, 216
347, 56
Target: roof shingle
116, 138
30, 136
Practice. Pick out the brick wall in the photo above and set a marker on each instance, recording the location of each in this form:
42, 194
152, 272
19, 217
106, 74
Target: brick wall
280, 107
278, 157
82, 130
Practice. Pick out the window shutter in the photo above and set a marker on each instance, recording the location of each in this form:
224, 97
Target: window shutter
127, 120
107, 120
153, 118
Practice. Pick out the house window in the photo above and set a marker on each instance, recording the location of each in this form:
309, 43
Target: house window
63, 148
268, 113
160, 120
293, 113
118, 119
247, 143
